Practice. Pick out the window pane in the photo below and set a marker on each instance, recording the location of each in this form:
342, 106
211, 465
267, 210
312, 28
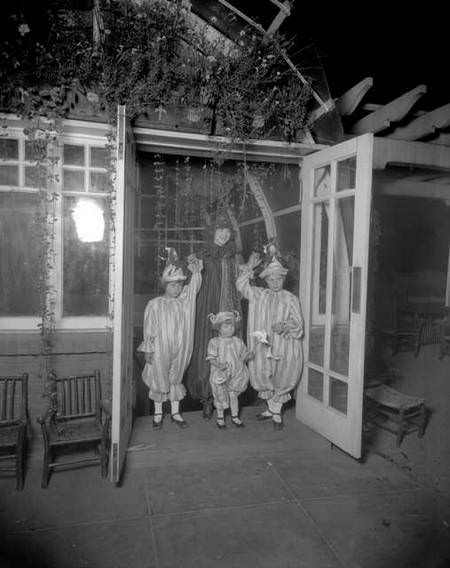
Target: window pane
346, 174
99, 181
9, 149
35, 150
9, 175
86, 257
73, 155
338, 395
281, 185
315, 384
19, 255
288, 231
73, 180
319, 287
322, 181
342, 269
99, 158
35, 176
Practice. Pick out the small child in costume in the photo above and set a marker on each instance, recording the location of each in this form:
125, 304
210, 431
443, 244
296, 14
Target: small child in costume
229, 376
275, 330
169, 337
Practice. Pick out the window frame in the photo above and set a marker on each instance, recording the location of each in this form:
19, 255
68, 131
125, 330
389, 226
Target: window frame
88, 140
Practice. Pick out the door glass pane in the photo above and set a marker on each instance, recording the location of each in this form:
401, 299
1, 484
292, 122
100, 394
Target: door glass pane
346, 174
19, 254
341, 294
315, 384
86, 257
288, 232
322, 179
319, 282
281, 186
338, 395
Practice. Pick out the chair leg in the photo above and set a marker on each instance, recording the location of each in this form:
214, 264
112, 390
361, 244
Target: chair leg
103, 459
395, 345
19, 470
20, 458
46, 469
401, 428
423, 421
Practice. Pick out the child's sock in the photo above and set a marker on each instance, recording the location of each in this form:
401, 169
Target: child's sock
275, 409
234, 406
158, 413
175, 409
220, 417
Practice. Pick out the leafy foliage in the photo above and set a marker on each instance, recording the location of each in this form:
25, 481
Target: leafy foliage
151, 54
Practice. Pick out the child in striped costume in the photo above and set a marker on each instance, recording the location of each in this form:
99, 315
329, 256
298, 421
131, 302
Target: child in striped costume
169, 337
227, 355
274, 330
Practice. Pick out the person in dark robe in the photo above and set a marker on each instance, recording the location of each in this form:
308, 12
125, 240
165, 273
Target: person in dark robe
217, 294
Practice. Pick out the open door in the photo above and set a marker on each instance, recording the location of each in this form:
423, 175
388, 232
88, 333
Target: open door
333, 289
123, 272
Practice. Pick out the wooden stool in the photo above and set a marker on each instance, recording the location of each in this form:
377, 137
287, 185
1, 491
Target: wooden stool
396, 412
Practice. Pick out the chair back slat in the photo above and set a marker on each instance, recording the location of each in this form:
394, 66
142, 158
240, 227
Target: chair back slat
4, 399
77, 396
13, 398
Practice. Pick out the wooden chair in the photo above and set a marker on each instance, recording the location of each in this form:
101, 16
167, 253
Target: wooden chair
13, 424
76, 418
406, 332
444, 332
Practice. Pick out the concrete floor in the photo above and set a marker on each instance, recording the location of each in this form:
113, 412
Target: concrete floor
201, 497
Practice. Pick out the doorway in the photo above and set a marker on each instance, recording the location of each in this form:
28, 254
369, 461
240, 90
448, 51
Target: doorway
179, 196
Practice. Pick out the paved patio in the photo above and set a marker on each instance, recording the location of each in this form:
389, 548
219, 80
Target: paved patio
202, 497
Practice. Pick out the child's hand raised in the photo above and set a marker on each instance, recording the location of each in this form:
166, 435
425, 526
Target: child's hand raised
254, 260
194, 263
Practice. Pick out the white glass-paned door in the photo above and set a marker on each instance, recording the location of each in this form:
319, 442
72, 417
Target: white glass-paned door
333, 289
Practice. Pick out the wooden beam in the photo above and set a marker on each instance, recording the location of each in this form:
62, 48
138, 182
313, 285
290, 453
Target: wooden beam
347, 103
285, 11
391, 112
443, 139
284, 54
406, 188
424, 125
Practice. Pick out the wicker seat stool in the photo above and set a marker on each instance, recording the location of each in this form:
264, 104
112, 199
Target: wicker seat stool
396, 412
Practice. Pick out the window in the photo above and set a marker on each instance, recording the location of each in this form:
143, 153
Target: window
85, 224
19, 242
80, 273
19, 254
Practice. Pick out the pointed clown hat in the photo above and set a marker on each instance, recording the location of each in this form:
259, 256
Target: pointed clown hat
224, 317
172, 272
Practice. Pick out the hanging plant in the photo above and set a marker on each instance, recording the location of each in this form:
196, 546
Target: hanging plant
150, 57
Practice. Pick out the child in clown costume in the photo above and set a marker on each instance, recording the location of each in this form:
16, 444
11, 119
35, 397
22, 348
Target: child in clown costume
229, 377
274, 330
168, 338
